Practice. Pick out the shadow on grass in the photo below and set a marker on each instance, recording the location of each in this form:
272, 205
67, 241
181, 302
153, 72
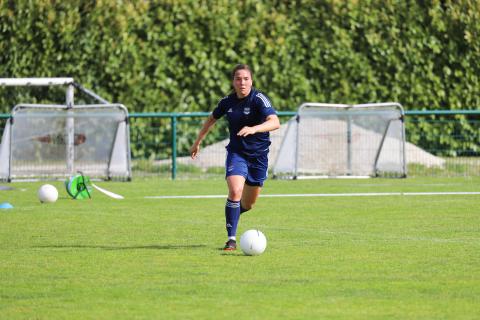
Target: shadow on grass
234, 253
149, 247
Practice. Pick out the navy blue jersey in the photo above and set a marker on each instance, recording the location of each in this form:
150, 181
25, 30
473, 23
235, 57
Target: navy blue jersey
249, 111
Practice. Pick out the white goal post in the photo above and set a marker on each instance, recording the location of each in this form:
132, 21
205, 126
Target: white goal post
343, 141
45, 141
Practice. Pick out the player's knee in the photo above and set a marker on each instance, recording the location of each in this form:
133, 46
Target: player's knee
235, 194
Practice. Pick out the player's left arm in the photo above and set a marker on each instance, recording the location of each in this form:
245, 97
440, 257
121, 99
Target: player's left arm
268, 112
271, 123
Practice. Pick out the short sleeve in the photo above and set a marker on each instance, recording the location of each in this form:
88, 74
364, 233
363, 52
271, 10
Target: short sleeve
220, 110
264, 104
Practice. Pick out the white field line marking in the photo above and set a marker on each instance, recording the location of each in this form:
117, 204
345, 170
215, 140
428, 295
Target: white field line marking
372, 194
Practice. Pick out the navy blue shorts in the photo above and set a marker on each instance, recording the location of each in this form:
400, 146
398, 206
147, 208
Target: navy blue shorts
253, 169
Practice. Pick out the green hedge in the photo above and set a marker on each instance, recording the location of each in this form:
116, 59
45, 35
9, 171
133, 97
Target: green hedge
176, 55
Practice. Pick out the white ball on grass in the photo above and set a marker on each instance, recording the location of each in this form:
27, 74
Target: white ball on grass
253, 242
47, 193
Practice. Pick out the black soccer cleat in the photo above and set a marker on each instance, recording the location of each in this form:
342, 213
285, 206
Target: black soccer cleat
230, 245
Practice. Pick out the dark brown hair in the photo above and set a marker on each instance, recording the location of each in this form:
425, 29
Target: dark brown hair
242, 66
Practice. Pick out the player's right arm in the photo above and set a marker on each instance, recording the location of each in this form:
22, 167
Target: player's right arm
201, 135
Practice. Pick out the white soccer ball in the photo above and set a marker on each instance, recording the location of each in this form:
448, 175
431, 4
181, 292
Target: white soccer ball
253, 242
47, 193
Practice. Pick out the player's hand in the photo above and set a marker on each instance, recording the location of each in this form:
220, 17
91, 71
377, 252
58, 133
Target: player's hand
245, 131
194, 151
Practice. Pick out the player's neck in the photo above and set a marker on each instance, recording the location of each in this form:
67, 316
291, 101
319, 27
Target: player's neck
241, 96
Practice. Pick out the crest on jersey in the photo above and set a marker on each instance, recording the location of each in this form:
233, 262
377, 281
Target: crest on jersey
246, 110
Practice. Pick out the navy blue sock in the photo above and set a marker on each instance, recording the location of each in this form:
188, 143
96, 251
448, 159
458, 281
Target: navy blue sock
242, 209
232, 215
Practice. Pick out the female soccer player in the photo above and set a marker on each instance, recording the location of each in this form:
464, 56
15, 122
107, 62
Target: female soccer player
250, 117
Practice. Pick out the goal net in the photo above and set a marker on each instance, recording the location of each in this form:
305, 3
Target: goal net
335, 140
45, 141
49, 141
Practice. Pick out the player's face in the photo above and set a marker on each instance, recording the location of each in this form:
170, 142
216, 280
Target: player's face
242, 83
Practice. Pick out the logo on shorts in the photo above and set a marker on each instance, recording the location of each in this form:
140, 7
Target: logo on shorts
246, 110
230, 110
230, 168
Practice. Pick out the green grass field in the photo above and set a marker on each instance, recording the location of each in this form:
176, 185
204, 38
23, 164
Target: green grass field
363, 257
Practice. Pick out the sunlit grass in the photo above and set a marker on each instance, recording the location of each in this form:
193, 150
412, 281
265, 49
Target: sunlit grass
383, 257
